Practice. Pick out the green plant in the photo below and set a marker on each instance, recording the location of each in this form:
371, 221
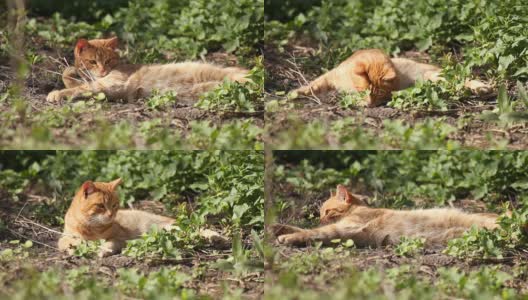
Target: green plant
505, 113
160, 243
159, 101
167, 282
348, 100
87, 249
20, 251
243, 261
235, 96
409, 246
483, 243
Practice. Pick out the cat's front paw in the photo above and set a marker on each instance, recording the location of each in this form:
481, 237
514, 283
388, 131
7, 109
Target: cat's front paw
478, 87
215, 238
281, 229
54, 96
303, 90
293, 239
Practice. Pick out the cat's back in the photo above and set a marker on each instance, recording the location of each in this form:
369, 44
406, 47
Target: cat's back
438, 218
135, 222
368, 55
363, 60
409, 71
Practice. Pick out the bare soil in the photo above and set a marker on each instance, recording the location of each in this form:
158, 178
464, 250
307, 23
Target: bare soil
44, 77
44, 255
298, 64
303, 212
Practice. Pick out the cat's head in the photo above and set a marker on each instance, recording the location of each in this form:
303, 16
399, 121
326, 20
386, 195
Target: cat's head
337, 205
96, 57
378, 75
97, 202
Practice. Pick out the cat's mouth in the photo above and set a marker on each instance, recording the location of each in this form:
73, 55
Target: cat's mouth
100, 220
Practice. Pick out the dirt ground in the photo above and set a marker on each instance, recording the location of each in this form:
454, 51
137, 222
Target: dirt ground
303, 212
287, 73
44, 77
44, 256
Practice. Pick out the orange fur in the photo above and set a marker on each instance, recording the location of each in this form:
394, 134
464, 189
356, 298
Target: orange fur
373, 70
94, 214
377, 227
369, 69
98, 69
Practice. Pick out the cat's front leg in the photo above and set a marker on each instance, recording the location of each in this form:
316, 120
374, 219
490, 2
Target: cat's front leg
64, 94
305, 236
111, 247
359, 233
281, 229
70, 78
68, 243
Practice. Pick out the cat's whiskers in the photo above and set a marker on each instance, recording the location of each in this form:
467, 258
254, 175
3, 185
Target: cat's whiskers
99, 220
54, 72
87, 73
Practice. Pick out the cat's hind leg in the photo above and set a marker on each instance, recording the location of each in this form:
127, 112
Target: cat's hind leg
476, 87
203, 87
237, 74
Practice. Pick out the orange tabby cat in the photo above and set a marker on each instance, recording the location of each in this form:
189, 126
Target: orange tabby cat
78, 74
94, 214
377, 227
373, 70
97, 63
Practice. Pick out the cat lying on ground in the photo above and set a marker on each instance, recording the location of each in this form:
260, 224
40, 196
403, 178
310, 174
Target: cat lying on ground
94, 214
373, 70
349, 218
98, 69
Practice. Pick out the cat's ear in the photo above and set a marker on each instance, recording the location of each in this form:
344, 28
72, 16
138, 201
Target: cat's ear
88, 188
112, 42
343, 195
81, 45
113, 184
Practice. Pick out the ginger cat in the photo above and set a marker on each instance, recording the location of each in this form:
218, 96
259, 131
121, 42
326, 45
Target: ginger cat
94, 214
373, 70
98, 69
375, 227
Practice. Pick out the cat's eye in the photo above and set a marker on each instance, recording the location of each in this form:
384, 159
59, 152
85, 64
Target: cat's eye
92, 62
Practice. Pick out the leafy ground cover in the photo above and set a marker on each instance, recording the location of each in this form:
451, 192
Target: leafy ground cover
482, 264
35, 49
475, 39
218, 190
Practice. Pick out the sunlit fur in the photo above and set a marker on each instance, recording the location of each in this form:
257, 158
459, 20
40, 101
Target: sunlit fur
377, 227
373, 70
98, 69
94, 214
